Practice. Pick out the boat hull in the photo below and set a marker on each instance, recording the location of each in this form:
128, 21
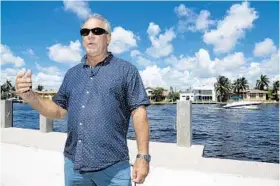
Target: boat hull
242, 105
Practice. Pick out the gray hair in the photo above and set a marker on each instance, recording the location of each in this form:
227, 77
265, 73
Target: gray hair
101, 18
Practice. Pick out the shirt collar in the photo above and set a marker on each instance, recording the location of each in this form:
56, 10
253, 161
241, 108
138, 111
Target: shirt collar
105, 61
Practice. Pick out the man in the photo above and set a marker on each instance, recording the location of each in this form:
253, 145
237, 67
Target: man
99, 95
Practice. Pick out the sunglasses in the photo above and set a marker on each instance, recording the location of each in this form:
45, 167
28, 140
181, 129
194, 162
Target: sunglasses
94, 31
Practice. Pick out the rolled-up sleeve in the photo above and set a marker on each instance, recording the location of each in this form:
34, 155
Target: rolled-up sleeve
136, 92
61, 97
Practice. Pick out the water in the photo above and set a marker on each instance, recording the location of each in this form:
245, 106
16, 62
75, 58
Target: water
226, 133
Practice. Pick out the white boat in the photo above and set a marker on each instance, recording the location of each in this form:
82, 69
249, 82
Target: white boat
243, 104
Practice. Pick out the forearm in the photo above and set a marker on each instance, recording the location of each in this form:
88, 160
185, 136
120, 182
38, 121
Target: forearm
142, 131
46, 107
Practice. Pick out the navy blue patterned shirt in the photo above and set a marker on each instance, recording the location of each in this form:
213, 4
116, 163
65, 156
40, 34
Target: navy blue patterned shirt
99, 102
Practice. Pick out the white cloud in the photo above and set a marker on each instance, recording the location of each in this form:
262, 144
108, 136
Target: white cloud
239, 18
189, 20
270, 66
181, 62
264, 48
49, 77
153, 29
48, 70
122, 40
203, 21
275, 78
182, 11
66, 54
7, 57
49, 81
78, 7
140, 58
135, 53
183, 72
142, 61
203, 59
161, 45
254, 69
152, 76
9, 74
30, 52
230, 62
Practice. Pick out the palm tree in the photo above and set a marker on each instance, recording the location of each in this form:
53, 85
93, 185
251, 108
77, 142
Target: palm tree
240, 84
262, 82
157, 94
222, 88
275, 90
40, 87
7, 90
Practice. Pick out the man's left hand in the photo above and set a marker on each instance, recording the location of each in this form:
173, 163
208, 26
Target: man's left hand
140, 170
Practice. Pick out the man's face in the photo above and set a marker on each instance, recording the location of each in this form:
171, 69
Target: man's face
95, 44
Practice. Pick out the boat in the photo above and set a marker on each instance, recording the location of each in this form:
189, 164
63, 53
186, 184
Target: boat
243, 104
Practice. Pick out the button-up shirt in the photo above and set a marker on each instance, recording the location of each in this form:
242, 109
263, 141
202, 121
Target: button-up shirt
99, 102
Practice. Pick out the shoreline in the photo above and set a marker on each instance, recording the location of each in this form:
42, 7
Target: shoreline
220, 103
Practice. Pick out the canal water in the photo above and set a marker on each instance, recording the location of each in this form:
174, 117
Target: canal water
226, 133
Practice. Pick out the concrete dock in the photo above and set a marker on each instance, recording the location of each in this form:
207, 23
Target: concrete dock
32, 158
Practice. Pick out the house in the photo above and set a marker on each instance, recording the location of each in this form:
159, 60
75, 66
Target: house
165, 94
204, 93
149, 92
255, 95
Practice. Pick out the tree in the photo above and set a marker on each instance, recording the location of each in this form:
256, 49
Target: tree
171, 90
40, 87
275, 90
222, 88
262, 83
7, 90
240, 84
157, 94
175, 96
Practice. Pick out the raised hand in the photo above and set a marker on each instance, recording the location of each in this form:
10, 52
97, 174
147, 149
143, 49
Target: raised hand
23, 84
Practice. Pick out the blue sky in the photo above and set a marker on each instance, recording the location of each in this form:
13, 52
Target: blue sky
179, 44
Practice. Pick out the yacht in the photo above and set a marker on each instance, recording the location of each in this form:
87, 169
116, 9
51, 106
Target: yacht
243, 104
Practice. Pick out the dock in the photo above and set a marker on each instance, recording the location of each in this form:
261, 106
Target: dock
33, 158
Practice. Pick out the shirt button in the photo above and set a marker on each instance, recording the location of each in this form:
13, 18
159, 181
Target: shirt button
81, 124
80, 141
87, 92
83, 106
91, 78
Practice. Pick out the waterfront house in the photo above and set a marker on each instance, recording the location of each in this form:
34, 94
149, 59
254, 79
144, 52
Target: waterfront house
165, 94
149, 92
150, 95
255, 95
204, 93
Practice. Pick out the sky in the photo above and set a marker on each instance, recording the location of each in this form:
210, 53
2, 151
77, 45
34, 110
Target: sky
178, 44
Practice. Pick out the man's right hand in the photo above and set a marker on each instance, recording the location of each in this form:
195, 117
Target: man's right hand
23, 84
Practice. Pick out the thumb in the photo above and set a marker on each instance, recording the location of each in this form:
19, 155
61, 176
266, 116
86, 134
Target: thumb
21, 73
28, 74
